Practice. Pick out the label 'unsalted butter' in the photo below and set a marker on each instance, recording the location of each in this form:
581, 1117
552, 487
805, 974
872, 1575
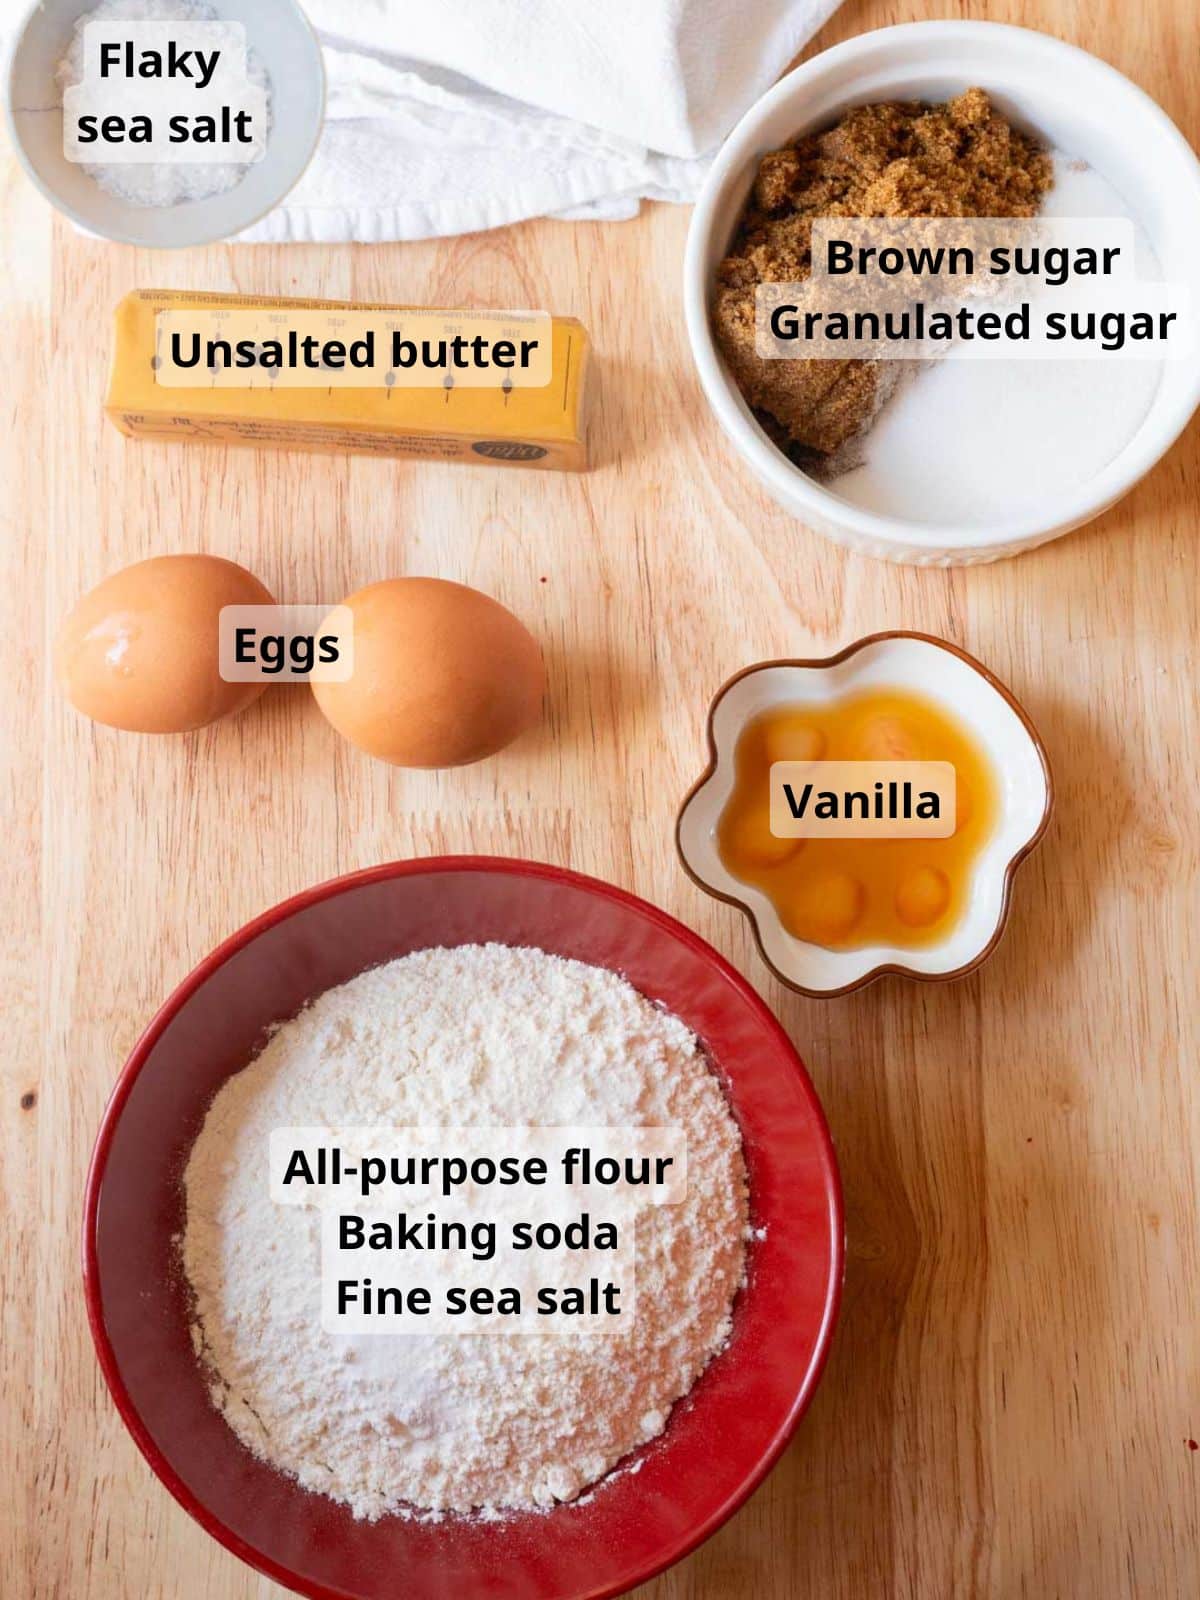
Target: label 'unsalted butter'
455, 414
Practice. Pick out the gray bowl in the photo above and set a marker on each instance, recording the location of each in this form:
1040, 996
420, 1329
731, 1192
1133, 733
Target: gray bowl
279, 33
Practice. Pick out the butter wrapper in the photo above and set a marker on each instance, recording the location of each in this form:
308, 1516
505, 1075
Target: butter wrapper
492, 423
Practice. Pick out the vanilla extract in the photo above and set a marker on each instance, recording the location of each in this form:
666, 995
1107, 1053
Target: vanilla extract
861, 818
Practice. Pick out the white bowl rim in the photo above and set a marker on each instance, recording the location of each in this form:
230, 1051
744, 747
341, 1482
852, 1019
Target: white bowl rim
789, 483
889, 968
127, 235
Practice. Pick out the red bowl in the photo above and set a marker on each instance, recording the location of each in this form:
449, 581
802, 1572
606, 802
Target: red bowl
720, 1442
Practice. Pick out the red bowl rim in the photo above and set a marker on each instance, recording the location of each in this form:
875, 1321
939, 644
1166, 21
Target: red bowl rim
515, 867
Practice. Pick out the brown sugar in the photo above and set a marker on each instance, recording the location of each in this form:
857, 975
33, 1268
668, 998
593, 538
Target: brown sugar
961, 159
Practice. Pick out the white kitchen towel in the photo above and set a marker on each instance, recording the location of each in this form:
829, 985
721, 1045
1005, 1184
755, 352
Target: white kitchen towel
447, 116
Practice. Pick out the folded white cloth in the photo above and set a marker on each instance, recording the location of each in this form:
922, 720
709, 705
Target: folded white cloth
449, 117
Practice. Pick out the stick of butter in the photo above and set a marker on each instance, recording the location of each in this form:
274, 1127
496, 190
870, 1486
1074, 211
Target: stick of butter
437, 384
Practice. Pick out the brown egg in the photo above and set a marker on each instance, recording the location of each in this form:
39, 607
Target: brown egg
139, 651
442, 675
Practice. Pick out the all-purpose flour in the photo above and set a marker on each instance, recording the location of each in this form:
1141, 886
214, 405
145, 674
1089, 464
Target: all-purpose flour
486, 1036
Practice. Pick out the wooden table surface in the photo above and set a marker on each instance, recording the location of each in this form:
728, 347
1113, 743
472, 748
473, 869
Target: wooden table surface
1014, 1391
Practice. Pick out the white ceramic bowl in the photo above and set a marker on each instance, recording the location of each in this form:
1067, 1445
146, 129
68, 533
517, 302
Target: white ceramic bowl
279, 33
940, 672
1069, 99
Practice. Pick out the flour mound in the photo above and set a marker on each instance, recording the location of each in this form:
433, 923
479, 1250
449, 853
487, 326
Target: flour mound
493, 1037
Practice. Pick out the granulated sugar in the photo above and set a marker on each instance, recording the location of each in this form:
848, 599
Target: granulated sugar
968, 439
480, 1035
157, 183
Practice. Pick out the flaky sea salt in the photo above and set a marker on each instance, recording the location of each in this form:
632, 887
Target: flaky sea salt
157, 183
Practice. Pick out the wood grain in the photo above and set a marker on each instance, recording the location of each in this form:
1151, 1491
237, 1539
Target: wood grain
1015, 1382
